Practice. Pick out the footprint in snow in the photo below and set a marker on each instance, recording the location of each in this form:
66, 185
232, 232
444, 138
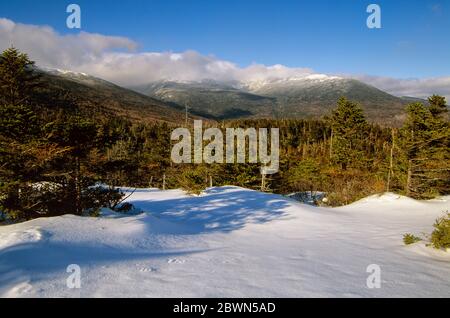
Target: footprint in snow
32, 235
144, 269
176, 261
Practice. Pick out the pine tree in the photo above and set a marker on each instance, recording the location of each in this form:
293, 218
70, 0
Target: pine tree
438, 105
46, 163
17, 77
426, 143
306, 176
19, 130
348, 127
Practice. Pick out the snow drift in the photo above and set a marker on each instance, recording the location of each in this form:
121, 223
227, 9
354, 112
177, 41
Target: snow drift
228, 242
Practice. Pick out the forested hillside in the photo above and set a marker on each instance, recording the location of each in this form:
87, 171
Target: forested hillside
54, 154
308, 97
96, 98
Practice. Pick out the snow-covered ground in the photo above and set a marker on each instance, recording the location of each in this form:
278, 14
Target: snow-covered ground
228, 242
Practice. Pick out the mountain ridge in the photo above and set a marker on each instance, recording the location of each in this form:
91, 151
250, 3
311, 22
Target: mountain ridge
93, 96
309, 97
312, 96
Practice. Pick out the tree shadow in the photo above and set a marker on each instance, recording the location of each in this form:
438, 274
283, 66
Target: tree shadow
41, 260
222, 209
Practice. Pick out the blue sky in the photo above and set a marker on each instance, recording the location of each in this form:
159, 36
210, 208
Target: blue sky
327, 36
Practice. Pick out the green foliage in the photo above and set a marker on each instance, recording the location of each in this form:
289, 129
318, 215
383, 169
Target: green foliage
425, 143
349, 128
44, 171
18, 122
52, 199
440, 238
124, 208
438, 105
194, 180
97, 197
410, 239
52, 158
17, 77
345, 187
306, 176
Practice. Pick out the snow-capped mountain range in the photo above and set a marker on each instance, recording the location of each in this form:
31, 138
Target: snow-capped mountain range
308, 96
258, 84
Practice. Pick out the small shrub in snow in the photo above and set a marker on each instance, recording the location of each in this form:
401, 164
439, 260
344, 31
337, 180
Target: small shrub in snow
345, 187
306, 176
124, 208
410, 239
49, 199
194, 181
440, 238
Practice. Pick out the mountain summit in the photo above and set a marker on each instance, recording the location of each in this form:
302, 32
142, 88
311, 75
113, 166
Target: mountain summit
311, 96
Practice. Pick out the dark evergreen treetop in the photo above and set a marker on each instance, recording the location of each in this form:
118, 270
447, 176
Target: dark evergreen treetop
17, 77
438, 105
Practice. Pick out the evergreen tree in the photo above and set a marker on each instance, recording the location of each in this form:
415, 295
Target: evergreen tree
306, 176
426, 143
19, 131
348, 127
44, 171
17, 77
73, 172
438, 105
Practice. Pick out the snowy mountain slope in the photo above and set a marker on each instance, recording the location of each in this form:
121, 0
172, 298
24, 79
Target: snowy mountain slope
96, 97
316, 95
299, 81
309, 96
228, 242
212, 99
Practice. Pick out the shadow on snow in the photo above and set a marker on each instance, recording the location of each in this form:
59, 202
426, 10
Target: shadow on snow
217, 211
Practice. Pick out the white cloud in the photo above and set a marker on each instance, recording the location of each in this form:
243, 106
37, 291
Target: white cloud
114, 58
48, 48
416, 87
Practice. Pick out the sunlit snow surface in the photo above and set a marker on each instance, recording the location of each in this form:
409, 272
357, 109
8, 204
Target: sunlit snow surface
229, 242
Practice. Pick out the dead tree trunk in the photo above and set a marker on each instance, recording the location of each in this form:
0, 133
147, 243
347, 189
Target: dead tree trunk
391, 162
409, 179
263, 182
331, 145
78, 205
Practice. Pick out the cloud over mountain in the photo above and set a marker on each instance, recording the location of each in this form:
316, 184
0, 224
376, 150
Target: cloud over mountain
51, 49
417, 87
116, 59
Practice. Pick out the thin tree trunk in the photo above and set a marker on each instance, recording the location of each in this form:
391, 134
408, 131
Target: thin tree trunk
391, 162
78, 207
409, 179
331, 145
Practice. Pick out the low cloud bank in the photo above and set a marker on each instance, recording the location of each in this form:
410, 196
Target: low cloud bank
115, 59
